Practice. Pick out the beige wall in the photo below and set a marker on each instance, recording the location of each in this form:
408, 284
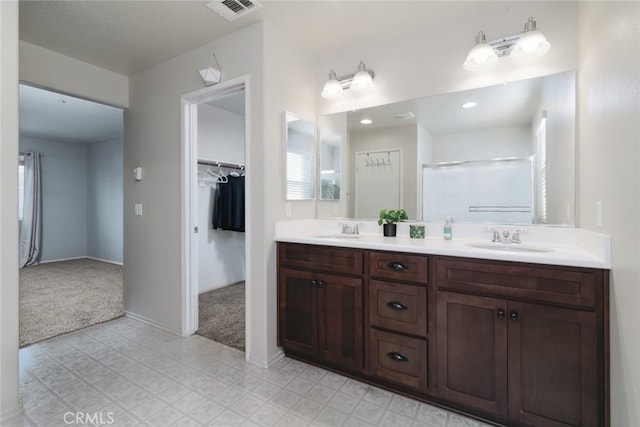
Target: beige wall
9, 404
430, 61
152, 242
609, 140
52, 70
289, 84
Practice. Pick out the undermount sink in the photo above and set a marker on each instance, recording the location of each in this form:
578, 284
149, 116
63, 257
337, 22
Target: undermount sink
337, 236
510, 247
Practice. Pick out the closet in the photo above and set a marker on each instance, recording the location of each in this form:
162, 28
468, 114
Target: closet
221, 220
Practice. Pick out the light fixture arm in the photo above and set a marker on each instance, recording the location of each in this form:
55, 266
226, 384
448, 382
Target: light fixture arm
345, 81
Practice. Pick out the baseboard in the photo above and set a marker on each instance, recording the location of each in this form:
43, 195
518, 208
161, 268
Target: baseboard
108, 261
11, 415
62, 259
269, 362
81, 257
151, 322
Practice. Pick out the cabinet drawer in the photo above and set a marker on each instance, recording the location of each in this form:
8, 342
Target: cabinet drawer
333, 259
398, 358
401, 308
559, 285
398, 266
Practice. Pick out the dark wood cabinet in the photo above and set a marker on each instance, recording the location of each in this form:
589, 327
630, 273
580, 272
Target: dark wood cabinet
553, 376
321, 314
472, 351
340, 320
513, 343
533, 363
297, 312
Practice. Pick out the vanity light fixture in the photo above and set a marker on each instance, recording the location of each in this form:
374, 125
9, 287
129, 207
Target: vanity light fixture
469, 104
529, 44
359, 81
366, 121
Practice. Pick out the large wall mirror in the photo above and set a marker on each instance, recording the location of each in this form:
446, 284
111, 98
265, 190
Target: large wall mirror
300, 157
500, 154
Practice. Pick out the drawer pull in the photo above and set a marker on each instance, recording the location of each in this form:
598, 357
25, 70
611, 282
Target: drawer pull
397, 357
395, 305
397, 266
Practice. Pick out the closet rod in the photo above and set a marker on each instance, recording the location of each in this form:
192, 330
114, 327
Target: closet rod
221, 164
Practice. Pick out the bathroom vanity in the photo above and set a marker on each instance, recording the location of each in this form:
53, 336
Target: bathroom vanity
511, 342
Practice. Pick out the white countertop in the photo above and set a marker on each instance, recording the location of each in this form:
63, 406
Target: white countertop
578, 248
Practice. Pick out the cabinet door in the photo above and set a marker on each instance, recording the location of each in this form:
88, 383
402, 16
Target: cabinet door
340, 317
472, 351
552, 366
297, 312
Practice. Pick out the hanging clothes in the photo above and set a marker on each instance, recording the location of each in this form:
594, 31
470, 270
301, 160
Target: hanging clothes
228, 209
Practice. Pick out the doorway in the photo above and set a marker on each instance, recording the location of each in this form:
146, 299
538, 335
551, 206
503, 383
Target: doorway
70, 213
215, 137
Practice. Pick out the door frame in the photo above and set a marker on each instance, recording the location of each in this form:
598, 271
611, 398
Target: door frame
189, 185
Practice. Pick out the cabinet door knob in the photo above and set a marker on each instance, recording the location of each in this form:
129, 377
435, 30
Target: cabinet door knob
395, 305
398, 266
314, 283
397, 357
514, 315
320, 283
500, 314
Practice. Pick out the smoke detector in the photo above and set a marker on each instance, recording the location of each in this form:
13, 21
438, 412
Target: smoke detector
233, 9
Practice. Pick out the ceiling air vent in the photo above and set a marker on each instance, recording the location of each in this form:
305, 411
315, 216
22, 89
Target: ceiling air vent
233, 9
405, 116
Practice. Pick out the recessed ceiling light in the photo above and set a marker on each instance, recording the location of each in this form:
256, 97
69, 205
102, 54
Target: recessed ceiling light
366, 121
470, 104
62, 101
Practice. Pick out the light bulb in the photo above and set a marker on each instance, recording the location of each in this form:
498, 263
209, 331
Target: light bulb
481, 55
362, 79
530, 44
332, 88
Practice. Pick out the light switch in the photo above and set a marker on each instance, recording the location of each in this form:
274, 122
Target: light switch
598, 214
137, 174
287, 210
138, 209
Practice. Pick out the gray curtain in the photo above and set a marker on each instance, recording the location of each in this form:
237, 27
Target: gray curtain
31, 224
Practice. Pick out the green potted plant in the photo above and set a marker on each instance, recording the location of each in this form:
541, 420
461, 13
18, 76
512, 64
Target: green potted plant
389, 218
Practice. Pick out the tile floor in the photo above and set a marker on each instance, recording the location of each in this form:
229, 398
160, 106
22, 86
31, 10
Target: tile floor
126, 373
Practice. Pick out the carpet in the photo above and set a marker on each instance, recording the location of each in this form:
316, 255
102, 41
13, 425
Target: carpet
221, 315
60, 297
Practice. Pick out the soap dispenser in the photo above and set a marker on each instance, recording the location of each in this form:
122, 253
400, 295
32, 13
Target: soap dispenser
447, 234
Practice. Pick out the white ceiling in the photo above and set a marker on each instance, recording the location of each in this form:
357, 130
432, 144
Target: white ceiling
512, 104
128, 36
52, 115
233, 103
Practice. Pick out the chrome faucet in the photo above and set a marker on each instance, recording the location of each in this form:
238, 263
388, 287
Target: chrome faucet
504, 238
496, 234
